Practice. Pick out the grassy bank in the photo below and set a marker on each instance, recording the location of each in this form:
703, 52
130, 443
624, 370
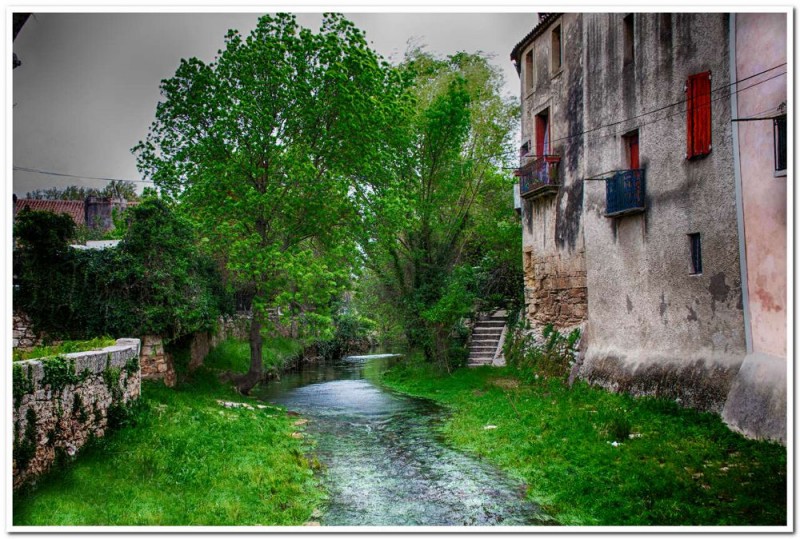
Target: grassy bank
590, 457
233, 355
183, 459
64, 347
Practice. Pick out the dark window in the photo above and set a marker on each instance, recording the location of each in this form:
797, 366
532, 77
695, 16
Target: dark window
697, 255
779, 132
627, 39
555, 49
698, 115
529, 71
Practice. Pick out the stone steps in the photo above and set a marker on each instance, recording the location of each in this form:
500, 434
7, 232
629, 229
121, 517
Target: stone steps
486, 336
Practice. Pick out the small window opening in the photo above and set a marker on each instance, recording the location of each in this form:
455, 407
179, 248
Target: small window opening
555, 49
543, 133
779, 134
529, 71
697, 255
627, 39
631, 144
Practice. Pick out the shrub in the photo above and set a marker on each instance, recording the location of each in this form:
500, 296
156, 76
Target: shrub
549, 356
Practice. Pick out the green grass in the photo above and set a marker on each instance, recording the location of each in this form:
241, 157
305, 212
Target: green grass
234, 355
185, 460
674, 466
64, 347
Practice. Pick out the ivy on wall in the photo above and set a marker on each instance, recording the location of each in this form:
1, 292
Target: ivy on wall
154, 282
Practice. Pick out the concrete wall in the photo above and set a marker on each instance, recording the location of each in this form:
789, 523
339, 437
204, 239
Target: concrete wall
654, 328
59, 404
552, 231
757, 402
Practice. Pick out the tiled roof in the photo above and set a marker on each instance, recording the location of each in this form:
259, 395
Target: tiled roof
73, 208
544, 22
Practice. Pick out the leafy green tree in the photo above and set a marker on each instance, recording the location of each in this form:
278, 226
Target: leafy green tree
273, 150
454, 221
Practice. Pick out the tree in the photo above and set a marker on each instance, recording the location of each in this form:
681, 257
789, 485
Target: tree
272, 150
115, 188
443, 249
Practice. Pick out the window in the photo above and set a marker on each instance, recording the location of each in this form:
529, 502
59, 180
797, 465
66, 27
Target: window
525, 149
698, 115
696, 253
631, 145
627, 40
529, 71
555, 49
543, 133
779, 134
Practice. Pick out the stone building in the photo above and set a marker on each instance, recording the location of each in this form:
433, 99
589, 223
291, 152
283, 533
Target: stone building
552, 169
639, 112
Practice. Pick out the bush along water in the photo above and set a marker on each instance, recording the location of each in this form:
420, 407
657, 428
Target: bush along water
550, 354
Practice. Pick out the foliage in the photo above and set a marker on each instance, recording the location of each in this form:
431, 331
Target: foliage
551, 355
270, 149
352, 333
59, 372
115, 188
153, 282
65, 347
182, 460
22, 382
443, 234
674, 467
25, 445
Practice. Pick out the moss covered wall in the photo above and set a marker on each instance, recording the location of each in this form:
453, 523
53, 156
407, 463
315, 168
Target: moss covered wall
60, 403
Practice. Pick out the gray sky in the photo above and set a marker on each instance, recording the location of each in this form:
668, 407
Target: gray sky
87, 89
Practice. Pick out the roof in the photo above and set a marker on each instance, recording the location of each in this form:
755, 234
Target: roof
544, 22
73, 208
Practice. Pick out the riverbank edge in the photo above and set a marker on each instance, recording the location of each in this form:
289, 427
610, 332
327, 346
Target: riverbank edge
591, 457
74, 484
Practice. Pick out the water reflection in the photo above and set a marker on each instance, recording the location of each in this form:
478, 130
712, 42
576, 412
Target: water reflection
385, 464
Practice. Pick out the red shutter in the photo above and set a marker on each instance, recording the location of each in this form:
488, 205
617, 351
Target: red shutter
698, 115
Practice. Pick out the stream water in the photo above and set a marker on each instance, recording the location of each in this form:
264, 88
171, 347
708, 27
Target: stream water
385, 463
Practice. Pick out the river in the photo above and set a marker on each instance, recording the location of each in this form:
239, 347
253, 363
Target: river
385, 463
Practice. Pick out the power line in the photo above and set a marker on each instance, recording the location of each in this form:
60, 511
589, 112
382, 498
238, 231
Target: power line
50, 173
677, 103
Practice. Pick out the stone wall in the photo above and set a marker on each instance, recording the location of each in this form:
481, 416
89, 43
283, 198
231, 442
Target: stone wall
555, 288
62, 402
236, 326
24, 336
157, 364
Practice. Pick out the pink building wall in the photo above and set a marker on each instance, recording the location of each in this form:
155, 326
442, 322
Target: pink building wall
760, 45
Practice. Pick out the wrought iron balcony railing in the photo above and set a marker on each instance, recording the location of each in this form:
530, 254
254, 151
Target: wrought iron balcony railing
625, 193
539, 177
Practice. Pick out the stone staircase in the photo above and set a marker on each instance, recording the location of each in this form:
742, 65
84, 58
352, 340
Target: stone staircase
487, 337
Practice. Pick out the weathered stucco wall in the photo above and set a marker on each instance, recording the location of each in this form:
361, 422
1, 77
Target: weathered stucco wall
757, 402
552, 235
760, 45
655, 328
60, 403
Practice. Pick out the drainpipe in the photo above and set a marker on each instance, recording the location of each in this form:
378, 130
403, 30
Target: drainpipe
737, 174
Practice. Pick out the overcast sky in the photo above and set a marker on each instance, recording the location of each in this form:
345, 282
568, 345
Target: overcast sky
87, 88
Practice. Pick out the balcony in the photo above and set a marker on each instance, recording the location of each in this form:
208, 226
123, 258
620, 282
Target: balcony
539, 177
625, 193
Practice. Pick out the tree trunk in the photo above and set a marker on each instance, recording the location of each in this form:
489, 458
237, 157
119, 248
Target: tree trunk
245, 383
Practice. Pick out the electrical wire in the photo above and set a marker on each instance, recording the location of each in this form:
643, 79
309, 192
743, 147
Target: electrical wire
49, 173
